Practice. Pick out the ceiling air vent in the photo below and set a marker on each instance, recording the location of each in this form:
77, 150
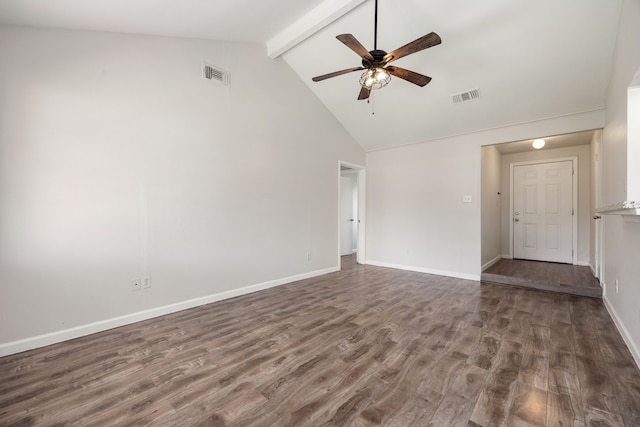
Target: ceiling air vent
210, 72
466, 96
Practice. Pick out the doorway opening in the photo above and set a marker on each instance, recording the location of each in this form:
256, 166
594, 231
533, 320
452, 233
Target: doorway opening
351, 236
498, 212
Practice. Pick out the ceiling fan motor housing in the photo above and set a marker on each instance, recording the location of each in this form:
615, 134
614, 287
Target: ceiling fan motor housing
378, 59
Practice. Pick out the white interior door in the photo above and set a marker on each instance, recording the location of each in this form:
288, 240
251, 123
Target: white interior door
348, 214
543, 211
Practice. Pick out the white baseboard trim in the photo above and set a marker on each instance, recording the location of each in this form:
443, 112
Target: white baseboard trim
103, 325
457, 275
506, 256
490, 263
633, 348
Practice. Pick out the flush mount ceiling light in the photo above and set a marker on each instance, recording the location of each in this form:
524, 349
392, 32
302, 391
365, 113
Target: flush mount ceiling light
538, 144
375, 62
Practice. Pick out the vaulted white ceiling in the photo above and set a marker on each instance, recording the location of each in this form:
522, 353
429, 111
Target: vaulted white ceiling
529, 60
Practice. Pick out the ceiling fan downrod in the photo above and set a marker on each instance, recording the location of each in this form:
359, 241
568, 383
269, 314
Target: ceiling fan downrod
375, 27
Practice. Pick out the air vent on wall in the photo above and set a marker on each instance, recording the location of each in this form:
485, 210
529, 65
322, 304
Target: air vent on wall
466, 96
210, 72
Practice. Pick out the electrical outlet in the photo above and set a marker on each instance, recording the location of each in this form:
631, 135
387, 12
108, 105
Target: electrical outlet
466, 199
146, 282
616, 286
308, 256
136, 285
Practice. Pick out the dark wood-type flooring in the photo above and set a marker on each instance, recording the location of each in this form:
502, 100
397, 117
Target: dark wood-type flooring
548, 276
367, 346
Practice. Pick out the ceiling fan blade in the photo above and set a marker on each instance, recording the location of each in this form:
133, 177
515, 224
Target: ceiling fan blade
408, 75
424, 42
336, 73
364, 93
352, 43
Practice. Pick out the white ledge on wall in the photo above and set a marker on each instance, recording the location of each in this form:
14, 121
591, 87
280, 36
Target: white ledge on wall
623, 208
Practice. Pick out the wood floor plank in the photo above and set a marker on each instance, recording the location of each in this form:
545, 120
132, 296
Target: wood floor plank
495, 399
534, 370
460, 397
562, 410
366, 346
403, 375
599, 418
627, 393
486, 350
417, 409
596, 387
529, 406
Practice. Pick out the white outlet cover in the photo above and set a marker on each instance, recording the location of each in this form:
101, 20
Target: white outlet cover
146, 282
466, 199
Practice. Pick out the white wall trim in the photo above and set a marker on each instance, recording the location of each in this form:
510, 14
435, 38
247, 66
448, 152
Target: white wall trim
635, 351
103, 325
490, 263
593, 271
581, 121
455, 274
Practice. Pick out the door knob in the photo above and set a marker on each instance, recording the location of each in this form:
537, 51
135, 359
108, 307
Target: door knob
516, 219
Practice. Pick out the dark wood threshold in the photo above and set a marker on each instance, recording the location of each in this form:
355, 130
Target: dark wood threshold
541, 285
545, 276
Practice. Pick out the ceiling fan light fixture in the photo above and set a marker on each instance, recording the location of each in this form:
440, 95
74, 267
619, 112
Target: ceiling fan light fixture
375, 78
538, 144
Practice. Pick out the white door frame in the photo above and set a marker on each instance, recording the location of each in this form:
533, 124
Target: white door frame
360, 178
574, 160
599, 222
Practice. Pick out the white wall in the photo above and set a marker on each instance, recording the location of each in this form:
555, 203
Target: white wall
118, 161
621, 236
415, 215
491, 205
584, 192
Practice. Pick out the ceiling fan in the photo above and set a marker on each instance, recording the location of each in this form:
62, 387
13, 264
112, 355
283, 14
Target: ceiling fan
378, 73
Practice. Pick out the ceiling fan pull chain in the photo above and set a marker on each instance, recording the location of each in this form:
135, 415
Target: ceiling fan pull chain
371, 100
